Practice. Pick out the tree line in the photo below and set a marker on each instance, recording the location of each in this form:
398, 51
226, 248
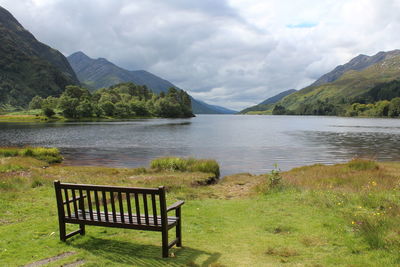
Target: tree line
124, 100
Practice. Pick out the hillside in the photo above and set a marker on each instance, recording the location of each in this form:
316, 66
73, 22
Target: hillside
27, 66
268, 103
204, 108
335, 91
101, 73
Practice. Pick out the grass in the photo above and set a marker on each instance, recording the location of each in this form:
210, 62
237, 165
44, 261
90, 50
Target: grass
238, 221
50, 155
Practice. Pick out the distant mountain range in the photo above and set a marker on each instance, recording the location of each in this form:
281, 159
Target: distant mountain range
27, 66
269, 102
100, 73
342, 86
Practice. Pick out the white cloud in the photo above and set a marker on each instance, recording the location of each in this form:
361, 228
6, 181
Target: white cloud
233, 53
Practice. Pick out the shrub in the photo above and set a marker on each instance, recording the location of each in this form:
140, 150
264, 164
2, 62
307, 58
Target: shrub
188, 164
275, 177
362, 165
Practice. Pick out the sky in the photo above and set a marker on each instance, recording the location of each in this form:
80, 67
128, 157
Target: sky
232, 53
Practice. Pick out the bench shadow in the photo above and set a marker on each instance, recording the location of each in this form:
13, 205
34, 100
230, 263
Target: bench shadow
143, 255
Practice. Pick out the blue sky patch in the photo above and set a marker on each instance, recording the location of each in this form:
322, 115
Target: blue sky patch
302, 25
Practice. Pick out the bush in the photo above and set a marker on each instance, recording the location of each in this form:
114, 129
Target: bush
362, 165
188, 164
275, 177
48, 112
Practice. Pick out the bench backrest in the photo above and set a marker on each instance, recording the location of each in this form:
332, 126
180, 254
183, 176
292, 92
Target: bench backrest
112, 204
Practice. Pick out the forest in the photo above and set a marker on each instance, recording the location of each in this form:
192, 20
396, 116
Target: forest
124, 100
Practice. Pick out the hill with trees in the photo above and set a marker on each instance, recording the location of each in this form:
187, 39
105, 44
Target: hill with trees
349, 90
99, 73
124, 100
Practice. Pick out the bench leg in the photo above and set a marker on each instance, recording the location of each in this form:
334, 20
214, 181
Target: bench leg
179, 228
165, 243
82, 229
63, 232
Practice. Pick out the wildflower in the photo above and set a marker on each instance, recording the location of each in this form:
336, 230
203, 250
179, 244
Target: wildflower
373, 183
353, 222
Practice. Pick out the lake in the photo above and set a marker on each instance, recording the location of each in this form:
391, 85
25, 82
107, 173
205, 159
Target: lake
240, 143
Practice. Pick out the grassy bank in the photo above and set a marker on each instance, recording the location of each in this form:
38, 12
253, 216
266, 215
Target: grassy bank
341, 215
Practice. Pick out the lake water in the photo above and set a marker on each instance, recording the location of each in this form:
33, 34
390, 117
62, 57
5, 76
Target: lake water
239, 143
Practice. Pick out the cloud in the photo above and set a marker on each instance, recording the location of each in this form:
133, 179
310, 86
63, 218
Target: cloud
233, 53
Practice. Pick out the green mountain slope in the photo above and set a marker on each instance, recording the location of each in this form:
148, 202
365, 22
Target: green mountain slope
336, 90
350, 85
268, 103
27, 66
101, 73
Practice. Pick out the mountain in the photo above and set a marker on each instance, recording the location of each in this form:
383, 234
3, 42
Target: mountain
268, 103
101, 73
205, 108
358, 63
333, 92
27, 66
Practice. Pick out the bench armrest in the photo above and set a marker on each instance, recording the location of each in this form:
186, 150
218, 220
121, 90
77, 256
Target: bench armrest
176, 205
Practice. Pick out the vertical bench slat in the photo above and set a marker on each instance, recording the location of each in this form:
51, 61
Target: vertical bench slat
121, 207
96, 199
128, 201
114, 216
153, 201
74, 202
82, 204
146, 209
89, 199
139, 221
66, 199
105, 205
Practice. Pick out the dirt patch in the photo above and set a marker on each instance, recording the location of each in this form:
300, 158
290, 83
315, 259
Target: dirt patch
73, 264
48, 260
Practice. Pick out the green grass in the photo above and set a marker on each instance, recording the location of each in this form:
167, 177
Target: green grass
50, 155
236, 222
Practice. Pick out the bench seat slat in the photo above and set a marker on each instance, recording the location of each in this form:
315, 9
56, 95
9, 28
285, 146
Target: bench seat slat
157, 224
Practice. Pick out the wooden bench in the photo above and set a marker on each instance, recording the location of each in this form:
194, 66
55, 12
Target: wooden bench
115, 206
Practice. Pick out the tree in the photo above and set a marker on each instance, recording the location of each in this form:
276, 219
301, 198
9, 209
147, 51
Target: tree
108, 108
394, 107
36, 102
69, 105
279, 110
48, 112
85, 109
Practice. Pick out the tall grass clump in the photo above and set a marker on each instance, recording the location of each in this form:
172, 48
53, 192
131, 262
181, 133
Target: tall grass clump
10, 168
186, 164
362, 165
50, 155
